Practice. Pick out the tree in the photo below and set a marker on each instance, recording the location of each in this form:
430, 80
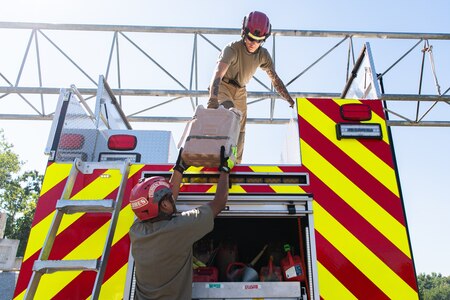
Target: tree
18, 194
9, 161
434, 286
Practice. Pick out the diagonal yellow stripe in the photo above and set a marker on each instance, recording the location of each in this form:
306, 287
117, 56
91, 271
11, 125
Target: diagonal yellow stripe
54, 174
113, 288
330, 287
97, 189
266, 169
375, 118
101, 186
363, 259
235, 189
91, 248
37, 236
360, 154
20, 296
39, 231
287, 189
357, 199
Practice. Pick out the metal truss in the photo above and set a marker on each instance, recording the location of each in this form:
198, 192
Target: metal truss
160, 74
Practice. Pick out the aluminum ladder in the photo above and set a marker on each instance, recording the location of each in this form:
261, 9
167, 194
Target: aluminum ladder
65, 206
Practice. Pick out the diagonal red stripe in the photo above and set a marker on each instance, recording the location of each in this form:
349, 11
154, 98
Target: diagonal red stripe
77, 233
353, 171
376, 106
258, 189
47, 202
242, 169
72, 236
86, 225
364, 232
195, 188
83, 180
81, 286
379, 148
344, 271
292, 169
25, 274
64, 243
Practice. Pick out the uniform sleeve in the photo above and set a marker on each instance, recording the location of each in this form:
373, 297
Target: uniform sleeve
266, 60
228, 55
196, 222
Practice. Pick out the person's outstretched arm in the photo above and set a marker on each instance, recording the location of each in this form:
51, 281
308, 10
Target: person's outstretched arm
221, 69
177, 175
175, 183
221, 197
280, 87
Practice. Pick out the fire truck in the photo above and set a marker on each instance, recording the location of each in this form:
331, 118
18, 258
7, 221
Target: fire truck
339, 210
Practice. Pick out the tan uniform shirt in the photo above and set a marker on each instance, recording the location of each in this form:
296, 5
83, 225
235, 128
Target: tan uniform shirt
243, 64
162, 252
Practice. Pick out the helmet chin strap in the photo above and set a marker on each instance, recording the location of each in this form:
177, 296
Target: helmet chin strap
164, 215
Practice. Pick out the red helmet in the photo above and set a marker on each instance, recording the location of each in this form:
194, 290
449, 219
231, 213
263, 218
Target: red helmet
256, 25
146, 194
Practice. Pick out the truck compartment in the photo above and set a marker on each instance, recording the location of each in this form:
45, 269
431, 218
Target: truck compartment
235, 242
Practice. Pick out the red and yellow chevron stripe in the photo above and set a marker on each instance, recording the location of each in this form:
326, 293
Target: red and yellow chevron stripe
361, 238
80, 236
363, 248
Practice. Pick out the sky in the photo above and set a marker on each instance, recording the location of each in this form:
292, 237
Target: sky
422, 153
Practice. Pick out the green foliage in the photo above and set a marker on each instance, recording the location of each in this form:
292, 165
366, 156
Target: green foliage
18, 195
9, 161
434, 286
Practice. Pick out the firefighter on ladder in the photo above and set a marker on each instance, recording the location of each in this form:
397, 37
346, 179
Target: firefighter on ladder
162, 239
237, 64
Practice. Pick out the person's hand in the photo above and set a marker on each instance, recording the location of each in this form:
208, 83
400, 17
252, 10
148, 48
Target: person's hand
213, 103
226, 164
180, 165
291, 103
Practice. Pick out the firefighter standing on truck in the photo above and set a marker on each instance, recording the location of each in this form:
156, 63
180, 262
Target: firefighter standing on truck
237, 64
162, 239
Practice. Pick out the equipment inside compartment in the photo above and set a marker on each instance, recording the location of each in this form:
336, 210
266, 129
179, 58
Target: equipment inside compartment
236, 242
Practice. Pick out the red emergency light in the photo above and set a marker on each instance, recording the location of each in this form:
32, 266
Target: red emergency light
71, 141
356, 112
122, 142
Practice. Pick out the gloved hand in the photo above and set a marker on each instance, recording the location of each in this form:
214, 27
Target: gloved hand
180, 165
213, 103
226, 164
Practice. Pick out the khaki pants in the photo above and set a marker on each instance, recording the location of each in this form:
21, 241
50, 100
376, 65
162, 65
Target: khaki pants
238, 96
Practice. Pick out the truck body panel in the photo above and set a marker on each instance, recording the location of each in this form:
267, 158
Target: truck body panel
341, 209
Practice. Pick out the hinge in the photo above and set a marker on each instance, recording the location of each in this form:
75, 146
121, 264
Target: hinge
291, 208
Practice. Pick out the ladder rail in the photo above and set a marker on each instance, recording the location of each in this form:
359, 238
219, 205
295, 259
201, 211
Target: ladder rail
56, 221
70, 182
111, 230
51, 234
65, 206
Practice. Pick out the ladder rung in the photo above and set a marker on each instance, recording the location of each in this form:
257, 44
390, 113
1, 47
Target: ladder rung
89, 167
51, 266
76, 206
